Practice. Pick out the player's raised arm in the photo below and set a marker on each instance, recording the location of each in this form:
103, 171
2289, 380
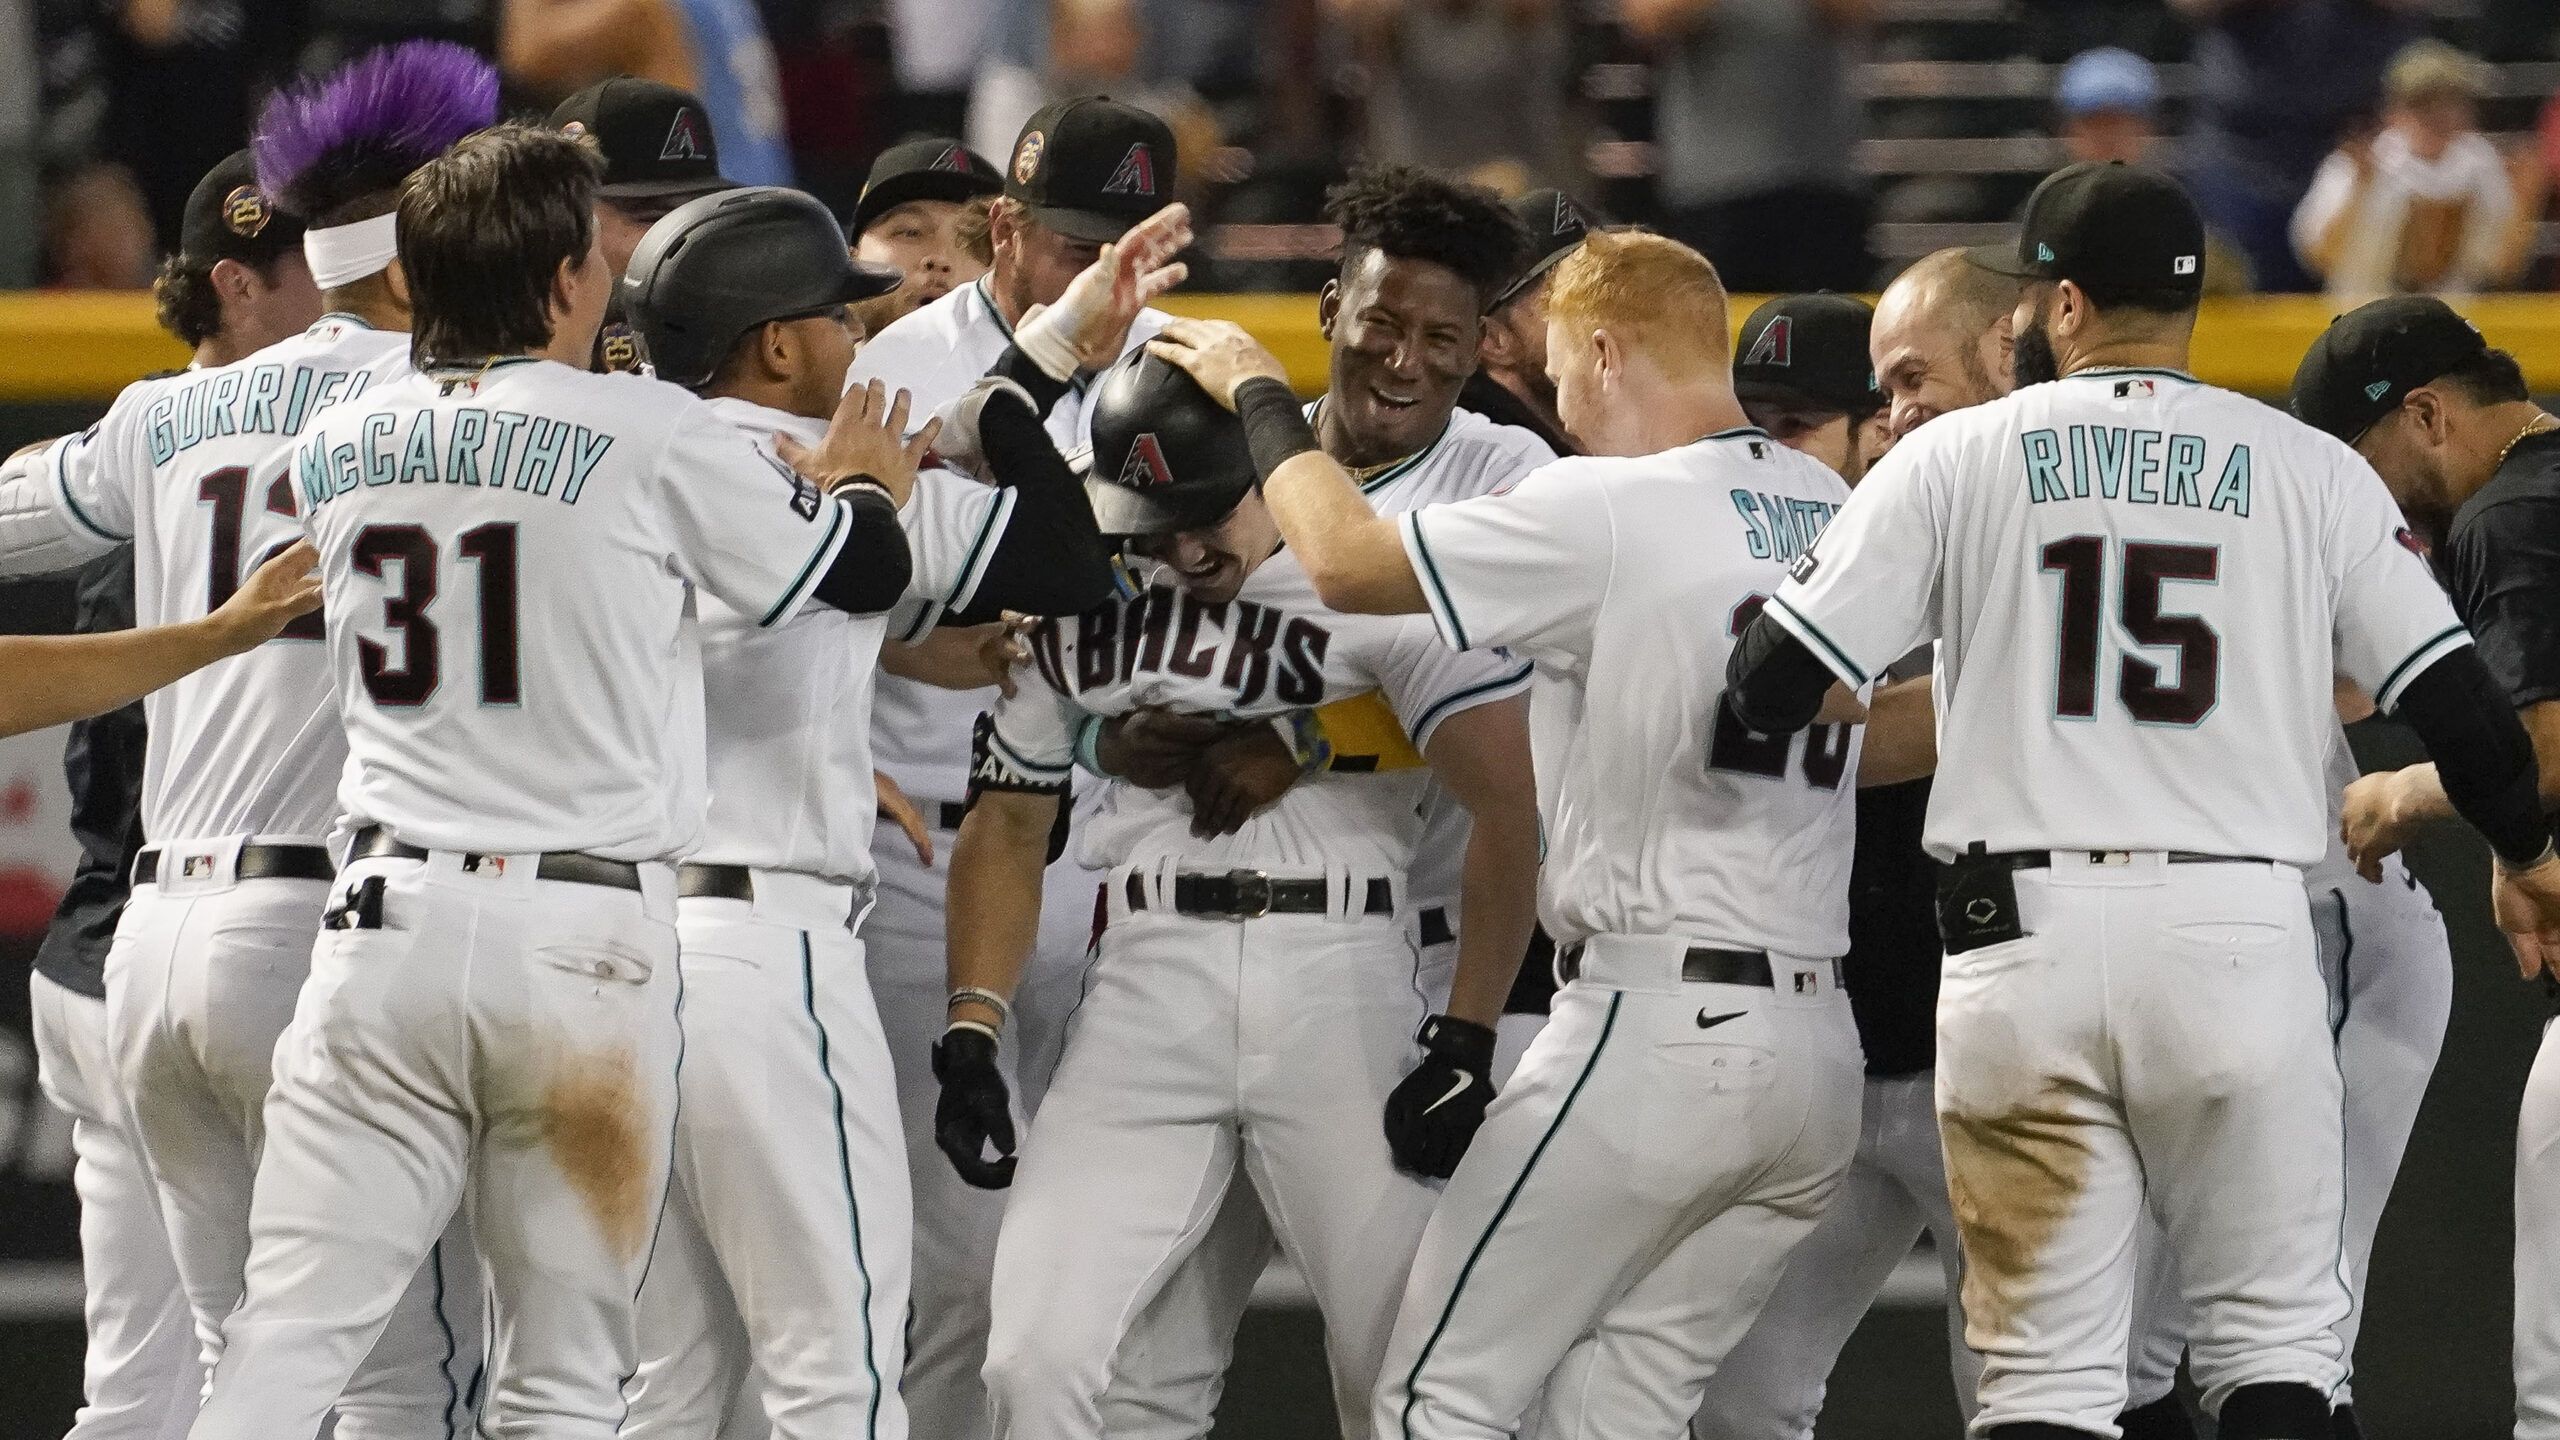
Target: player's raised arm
1354, 556
55, 679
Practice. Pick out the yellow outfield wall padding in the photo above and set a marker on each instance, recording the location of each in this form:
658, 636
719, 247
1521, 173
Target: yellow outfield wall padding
85, 346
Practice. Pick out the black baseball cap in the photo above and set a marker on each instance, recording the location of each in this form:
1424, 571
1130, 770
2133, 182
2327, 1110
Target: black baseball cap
656, 139
1809, 352
1556, 223
2370, 358
229, 218
935, 169
1091, 167
2114, 225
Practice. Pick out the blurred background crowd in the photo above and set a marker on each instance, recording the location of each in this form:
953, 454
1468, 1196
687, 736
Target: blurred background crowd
2352, 146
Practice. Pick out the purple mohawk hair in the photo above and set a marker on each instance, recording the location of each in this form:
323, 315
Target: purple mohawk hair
359, 131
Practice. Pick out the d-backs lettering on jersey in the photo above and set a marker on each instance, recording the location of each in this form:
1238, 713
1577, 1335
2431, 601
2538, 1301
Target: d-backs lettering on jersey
1626, 581
2146, 588
506, 599
788, 706
187, 466
1272, 650
921, 732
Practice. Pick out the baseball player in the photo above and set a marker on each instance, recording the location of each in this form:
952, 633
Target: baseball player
238, 789
238, 283
1082, 173
2473, 462
1683, 1118
743, 297
2131, 1015
658, 153
1420, 258
916, 213
508, 544
1942, 338
1511, 386
1248, 1015
1803, 373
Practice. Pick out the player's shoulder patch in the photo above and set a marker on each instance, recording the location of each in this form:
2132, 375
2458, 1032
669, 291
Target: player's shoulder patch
1802, 567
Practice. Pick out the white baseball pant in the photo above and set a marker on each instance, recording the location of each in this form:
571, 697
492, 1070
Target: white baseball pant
1629, 1204
955, 1222
2389, 973
1209, 1051
202, 979
501, 1043
1771, 1386
786, 1243
143, 1372
2155, 1041
2537, 1197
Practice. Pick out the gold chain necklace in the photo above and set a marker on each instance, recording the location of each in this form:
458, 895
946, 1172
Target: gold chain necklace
2535, 426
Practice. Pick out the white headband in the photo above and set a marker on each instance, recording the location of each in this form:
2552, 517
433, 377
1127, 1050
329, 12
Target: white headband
344, 254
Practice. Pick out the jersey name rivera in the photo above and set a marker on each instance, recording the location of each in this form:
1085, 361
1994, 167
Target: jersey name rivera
467, 445
2142, 467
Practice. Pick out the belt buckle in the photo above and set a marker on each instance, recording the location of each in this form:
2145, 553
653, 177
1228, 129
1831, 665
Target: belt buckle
1249, 895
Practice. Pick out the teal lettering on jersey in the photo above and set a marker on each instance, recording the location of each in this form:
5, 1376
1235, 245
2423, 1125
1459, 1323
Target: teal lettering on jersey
505, 424
226, 389
377, 455
1755, 531
2044, 465
164, 434
584, 457
2186, 462
542, 452
304, 383
266, 386
342, 468
418, 455
2107, 448
311, 468
2232, 490
2080, 462
2146, 463
462, 448
190, 418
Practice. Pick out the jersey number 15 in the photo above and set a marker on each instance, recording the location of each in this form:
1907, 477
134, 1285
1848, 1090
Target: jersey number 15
2082, 562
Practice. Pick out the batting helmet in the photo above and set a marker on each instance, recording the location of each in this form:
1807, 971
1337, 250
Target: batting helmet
717, 267
1166, 457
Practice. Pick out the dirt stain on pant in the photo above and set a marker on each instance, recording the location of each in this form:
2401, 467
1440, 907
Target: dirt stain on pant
2012, 1179
591, 1123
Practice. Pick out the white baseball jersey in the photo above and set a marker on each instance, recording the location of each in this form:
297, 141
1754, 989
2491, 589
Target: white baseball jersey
935, 353
187, 468
2145, 587
1275, 648
506, 556
789, 705
1626, 581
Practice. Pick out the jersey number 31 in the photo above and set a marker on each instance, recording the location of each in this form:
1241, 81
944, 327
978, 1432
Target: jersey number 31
419, 668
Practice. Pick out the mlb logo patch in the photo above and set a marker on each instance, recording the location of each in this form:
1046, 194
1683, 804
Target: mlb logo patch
491, 865
1806, 984
2183, 265
196, 867
2136, 389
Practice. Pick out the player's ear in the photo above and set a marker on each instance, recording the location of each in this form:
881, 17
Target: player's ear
1608, 357
1328, 305
1496, 346
234, 281
396, 279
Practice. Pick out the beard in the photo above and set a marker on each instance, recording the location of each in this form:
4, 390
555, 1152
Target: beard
2032, 361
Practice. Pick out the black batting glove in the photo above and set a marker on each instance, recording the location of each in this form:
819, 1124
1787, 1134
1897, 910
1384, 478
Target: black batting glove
1434, 1113
975, 1110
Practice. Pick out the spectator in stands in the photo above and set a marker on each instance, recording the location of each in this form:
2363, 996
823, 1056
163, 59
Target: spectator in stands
1475, 88
715, 49
1163, 56
2425, 206
2278, 82
97, 232
2109, 102
1757, 125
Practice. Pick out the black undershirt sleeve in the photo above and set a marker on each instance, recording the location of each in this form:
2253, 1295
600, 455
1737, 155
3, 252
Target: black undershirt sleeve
1050, 560
2482, 754
1773, 680
1017, 367
870, 572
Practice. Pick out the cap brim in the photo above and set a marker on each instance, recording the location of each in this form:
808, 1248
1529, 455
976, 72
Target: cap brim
897, 190
1531, 276
668, 189
1793, 400
1093, 226
1119, 511
870, 281
2002, 260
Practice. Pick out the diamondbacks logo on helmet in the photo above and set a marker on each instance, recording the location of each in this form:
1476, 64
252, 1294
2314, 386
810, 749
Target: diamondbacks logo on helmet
1136, 174
1026, 157
1776, 345
1145, 468
684, 138
245, 212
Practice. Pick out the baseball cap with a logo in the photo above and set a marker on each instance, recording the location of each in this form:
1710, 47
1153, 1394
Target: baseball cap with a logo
2113, 227
1808, 352
2370, 358
229, 218
934, 169
655, 139
1091, 167
1556, 223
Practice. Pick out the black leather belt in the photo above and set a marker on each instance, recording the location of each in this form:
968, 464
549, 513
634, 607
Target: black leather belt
257, 862
1250, 894
950, 813
375, 843
1700, 965
1435, 927
715, 882
2043, 859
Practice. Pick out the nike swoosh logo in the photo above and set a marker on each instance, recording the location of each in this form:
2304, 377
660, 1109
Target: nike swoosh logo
1709, 1022
1457, 1086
